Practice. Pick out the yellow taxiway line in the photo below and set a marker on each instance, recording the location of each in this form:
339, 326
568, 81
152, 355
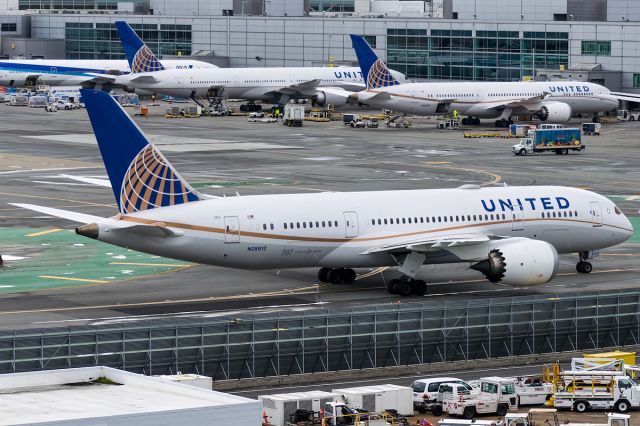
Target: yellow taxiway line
146, 264
48, 231
82, 280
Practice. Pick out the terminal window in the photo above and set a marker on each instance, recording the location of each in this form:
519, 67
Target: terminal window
448, 54
593, 47
9, 27
636, 81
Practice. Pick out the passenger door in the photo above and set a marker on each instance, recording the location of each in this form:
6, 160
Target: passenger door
596, 213
517, 218
351, 224
231, 229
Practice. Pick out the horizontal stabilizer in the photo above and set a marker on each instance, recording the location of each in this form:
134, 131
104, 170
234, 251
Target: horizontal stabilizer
66, 214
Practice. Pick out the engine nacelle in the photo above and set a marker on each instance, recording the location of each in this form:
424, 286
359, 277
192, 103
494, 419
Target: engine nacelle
521, 263
323, 99
555, 112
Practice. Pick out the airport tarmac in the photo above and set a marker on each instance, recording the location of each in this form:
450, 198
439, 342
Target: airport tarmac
54, 277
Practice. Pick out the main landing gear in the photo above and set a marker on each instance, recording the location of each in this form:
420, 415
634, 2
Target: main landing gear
584, 266
503, 123
407, 286
336, 276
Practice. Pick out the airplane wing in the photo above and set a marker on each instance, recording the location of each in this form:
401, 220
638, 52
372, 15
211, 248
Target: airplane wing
144, 79
532, 103
306, 88
631, 97
156, 229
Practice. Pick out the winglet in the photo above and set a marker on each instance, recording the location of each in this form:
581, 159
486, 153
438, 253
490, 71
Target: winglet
141, 177
373, 69
139, 56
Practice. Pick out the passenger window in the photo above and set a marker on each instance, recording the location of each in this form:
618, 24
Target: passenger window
336, 223
445, 218
329, 223
285, 226
264, 226
272, 227
324, 224
317, 224
291, 225
304, 224
385, 221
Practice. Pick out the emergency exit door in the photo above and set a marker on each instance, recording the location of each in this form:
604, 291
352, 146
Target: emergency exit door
231, 229
517, 218
351, 224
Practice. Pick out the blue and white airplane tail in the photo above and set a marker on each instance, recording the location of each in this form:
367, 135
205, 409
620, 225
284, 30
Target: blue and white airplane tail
141, 177
373, 69
139, 56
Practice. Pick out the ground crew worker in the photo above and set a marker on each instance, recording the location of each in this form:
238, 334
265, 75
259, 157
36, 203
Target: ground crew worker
455, 114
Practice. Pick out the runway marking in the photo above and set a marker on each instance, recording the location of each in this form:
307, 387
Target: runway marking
47, 170
496, 177
48, 231
372, 273
83, 280
438, 162
146, 264
621, 254
58, 199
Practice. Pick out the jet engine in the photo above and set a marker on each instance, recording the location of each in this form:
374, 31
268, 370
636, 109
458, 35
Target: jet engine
555, 112
326, 98
520, 263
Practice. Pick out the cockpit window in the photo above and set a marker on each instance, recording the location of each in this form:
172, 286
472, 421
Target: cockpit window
617, 210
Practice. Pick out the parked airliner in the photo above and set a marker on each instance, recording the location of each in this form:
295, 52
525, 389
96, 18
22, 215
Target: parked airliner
72, 72
553, 101
272, 85
513, 235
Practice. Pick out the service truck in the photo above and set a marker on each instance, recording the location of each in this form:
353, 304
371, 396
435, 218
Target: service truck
560, 141
538, 417
626, 115
532, 390
338, 413
604, 390
293, 115
495, 395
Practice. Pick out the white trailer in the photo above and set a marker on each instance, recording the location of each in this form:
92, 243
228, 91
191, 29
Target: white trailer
379, 398
280, 408
533, 390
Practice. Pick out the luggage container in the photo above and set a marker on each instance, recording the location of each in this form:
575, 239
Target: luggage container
378, 398
283, 408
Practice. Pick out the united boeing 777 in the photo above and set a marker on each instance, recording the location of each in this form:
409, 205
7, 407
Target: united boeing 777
513, 235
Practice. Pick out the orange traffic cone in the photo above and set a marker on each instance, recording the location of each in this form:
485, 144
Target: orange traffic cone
265, 421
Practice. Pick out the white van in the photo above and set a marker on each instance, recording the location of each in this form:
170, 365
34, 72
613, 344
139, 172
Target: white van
425, 391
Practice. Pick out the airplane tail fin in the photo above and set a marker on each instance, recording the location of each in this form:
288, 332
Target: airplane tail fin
373, 69
139, 56
141, 177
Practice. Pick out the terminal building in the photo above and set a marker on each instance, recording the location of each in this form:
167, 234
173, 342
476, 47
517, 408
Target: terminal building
494, 40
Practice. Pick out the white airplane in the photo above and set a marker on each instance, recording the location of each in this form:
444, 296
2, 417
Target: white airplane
513, 235
324, 85
552, 101
72, 72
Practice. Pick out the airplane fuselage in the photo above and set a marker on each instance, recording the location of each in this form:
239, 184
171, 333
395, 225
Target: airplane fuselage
341, 229
482, 99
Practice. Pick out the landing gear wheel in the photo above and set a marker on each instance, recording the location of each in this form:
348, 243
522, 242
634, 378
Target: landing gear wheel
584, 267
322, 275
333, 276
469, 413
419, 288
392, 286
622, 406
405, 288
348, 275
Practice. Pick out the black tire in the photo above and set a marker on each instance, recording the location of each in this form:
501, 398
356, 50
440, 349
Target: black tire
581, 406
623, 406
557, 151
322, 275
469, 413
564, 151
436, 410
404, 288
421, 410
419, 288
392, 286
523, 151
333, 276
502, 410
348, 275
631, 118
587, 267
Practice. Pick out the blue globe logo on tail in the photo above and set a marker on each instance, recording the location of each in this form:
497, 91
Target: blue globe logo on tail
379, 76
145, 61
151, 182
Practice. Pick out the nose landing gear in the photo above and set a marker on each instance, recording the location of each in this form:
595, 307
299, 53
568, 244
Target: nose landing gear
584, 266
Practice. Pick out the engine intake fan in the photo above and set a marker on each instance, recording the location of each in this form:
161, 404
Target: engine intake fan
494, 267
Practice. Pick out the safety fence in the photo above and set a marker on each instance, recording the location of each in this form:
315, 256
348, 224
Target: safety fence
326, 339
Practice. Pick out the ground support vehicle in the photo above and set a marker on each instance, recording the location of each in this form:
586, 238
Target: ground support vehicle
605, 390
591, 128
400, 121
538, 417
338, 413
347, 119
496, 395
293, 115
626, 115
377, 399
280, 409
533, 390
372, 123
425, 393
560, 141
